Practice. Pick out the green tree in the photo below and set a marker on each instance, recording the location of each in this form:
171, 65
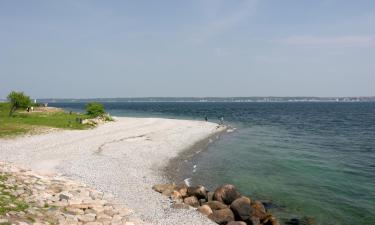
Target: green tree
18, 100
95, 109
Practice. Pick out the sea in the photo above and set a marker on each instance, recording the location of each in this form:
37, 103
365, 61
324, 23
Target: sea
312, 161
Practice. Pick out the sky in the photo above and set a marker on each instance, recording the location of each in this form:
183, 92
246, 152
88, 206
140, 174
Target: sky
195, 48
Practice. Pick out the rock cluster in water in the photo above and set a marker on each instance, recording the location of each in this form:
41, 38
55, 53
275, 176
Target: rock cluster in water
225, 206
28, 198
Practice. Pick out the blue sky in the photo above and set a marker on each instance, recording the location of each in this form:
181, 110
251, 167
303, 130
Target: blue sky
80, 49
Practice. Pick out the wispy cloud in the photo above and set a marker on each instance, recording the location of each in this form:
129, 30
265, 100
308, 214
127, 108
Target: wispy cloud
223, 20
335, 41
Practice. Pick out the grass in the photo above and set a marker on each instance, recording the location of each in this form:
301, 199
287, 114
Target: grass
22, 122
9, 202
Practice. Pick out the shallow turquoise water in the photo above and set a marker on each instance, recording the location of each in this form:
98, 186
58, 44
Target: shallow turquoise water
309, 159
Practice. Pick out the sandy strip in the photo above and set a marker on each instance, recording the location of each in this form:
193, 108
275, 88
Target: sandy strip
124, 158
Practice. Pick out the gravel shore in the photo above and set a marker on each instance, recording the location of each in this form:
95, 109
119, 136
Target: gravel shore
125, 158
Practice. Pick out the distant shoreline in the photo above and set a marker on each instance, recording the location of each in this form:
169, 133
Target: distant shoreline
214, 99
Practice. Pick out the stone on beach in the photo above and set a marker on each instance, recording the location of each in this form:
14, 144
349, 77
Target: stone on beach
192, 201
241, 208
222, 216
205, 210
163, 187
198, 191
258, 210
182, 189
125, 157
236, 223
226, 193
72, 204
216, 205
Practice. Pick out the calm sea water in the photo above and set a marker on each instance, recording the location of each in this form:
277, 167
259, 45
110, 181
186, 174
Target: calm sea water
308, 159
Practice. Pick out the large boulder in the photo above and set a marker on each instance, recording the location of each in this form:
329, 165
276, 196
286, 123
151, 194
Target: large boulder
163, 187
205, 210
241, 208
210, 196
192, 201
258, 210
226, 193
254, 220
236, 223
216, 205
176, 197
197, 191
270, 220
222, 216
182, 188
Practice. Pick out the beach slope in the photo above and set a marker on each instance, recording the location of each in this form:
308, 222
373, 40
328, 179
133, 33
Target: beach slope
125, 158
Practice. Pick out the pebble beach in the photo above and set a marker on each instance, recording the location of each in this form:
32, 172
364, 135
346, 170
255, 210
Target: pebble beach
124, 158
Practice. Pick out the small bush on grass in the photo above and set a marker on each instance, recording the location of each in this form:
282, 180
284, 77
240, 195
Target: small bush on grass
95, 109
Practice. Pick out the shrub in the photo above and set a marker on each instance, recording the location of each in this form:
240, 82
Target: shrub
95, 109
18, 100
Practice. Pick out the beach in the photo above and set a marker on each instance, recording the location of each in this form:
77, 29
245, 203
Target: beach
124, 158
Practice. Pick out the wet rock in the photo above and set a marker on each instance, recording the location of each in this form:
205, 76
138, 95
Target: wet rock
197, 191
270, 205
272, 221
254, 220
210, 196
241, 208
258, 210
202, 201
192, 201
205, 210
222, 216
226, 193
216, 205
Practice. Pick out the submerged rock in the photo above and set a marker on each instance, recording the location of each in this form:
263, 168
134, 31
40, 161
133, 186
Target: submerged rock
293, 221
226, 193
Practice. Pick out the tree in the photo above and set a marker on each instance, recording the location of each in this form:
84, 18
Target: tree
18, 100
95, 109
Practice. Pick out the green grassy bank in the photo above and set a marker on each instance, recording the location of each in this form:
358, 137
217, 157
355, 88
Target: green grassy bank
22, 122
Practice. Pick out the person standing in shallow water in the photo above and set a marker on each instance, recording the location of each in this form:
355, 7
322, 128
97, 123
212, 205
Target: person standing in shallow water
206, 118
